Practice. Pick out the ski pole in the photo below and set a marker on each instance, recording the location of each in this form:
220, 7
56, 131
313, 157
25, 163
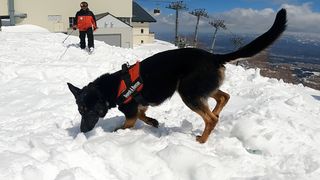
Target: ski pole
67, 36
65, 51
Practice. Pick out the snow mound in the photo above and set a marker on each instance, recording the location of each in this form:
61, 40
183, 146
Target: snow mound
24, 28
268, 130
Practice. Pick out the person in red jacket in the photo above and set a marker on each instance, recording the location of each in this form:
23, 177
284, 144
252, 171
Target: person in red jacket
85, 21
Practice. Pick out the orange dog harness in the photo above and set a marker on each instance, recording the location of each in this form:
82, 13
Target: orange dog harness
130, 85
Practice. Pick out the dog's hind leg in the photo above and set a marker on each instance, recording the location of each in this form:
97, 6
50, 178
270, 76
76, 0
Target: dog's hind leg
148, 120
210, 121
201, 107
222, 98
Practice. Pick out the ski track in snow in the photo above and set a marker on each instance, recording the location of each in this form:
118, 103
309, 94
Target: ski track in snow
268, 130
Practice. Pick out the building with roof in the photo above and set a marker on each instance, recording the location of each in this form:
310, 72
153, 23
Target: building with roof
121, 23
141, 22
113, 31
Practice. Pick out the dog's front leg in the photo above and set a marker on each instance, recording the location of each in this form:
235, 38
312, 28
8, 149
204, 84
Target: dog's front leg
148, 120
129, 123
131, 113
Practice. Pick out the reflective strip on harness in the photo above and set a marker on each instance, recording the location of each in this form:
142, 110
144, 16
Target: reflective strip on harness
131, 83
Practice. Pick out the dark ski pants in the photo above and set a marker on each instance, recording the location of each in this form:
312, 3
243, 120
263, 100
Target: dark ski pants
82, 37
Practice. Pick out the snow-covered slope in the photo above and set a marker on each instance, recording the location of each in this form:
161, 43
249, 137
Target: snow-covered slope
268, 130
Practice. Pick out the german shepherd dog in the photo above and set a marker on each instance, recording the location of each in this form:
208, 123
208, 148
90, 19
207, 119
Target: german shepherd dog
194, 73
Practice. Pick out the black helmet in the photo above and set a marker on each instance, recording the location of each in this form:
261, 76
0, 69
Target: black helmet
83, 4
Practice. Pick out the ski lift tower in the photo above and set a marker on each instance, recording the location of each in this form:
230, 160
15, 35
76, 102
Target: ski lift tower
198, 13
217, 24
177, 6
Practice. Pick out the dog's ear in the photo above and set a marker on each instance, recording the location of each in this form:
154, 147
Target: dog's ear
75, 91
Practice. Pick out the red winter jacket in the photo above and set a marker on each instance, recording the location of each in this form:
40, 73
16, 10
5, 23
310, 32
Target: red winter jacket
84, 20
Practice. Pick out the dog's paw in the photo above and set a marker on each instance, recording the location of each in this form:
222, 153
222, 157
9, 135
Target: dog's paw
119, 128
116, 129
201, 140
153, 122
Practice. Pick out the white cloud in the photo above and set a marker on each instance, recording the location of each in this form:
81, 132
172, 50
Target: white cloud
187, 22
301, 18
248, 20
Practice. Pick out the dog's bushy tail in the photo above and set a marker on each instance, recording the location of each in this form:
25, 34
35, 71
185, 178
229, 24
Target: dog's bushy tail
261, 42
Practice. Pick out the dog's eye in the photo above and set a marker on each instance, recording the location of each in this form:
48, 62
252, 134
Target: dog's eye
82, 109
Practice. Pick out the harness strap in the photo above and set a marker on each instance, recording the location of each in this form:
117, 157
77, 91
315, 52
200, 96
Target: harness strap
133, 85
126, 75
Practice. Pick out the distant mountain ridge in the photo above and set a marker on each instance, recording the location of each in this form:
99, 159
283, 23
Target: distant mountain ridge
294, 51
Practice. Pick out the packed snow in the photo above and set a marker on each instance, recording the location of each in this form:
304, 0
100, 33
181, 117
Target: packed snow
268, 130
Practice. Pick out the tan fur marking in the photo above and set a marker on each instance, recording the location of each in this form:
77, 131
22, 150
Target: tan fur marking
141, 113
222, 98
142, 116
129, 123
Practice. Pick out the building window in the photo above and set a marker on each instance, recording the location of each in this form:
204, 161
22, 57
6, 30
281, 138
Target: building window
54, 18
142, 31
142, 41
71, 21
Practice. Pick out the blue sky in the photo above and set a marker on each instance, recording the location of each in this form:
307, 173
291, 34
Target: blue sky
240, 15
225, 5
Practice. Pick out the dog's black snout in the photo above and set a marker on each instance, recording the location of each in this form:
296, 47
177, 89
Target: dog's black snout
84, 129
88, 122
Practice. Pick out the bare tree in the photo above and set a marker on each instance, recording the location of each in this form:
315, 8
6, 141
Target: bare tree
237, 42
